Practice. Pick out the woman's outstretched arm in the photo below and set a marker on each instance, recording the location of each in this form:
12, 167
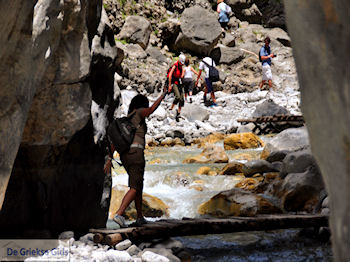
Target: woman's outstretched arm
148, 111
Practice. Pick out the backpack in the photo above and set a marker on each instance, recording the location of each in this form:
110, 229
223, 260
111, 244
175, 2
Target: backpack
214, 75
177, 72
121, 133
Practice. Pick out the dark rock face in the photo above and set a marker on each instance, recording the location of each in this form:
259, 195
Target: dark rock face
325, 95
57, 181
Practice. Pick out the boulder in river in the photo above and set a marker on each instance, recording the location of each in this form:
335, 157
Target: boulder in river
242, 140
237, 202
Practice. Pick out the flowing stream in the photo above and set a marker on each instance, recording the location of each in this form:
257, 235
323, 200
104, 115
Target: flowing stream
169, 179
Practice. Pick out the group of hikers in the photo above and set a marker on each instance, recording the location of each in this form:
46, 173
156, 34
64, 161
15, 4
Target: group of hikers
180, 82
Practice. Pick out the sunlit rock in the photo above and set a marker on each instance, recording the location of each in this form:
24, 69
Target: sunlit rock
232, 168
151, 205
237, 202
248, 184
242, 140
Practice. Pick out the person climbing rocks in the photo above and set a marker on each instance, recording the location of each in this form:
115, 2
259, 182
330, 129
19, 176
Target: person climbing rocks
204, 65
174, 84
224, 11
188, 80
134, 159
266, 57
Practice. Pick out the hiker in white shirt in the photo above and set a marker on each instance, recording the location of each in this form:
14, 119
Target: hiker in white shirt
203, 65
224, 11
187, 79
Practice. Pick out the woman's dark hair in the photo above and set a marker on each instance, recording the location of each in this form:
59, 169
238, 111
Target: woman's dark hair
139, 101
267, 39
187, 62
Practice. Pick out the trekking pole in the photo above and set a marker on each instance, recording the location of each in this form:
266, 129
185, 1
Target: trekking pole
250, 52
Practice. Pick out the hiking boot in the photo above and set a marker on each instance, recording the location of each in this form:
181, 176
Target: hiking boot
120, 220
177, 118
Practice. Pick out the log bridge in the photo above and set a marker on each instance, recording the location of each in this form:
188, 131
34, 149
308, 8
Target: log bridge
166, 228
273, 124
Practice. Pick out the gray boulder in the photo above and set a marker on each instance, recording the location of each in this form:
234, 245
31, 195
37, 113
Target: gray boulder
257, 166
269, 108
227, 55
194, 113
135, 51
291, 139
200, 31
298, 162
301, 191
156, 54
136, 29
229, 40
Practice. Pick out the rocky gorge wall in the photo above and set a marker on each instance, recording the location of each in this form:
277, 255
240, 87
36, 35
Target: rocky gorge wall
320, 40
59, 58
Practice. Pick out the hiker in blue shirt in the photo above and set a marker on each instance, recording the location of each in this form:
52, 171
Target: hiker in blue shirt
224, 13
266, 56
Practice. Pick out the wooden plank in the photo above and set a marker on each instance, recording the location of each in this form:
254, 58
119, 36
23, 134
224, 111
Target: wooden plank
170, 228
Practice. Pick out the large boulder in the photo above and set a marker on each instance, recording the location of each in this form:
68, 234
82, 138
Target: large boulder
136, 29
246, 10
291, 139
302, 191
257, 166
269, 108
237, 202
242, 140
227, 55
200, 31
193, 113
151, 205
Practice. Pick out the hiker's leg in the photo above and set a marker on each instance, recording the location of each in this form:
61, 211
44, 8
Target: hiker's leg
177, 94
127, 199
213, 96
270, 83
138, 203
261, 84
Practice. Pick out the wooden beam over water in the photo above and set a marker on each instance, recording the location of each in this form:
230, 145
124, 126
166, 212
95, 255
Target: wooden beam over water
166, 228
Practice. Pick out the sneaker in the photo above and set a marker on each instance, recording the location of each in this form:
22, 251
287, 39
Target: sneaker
120, 220
214, 104
191, 100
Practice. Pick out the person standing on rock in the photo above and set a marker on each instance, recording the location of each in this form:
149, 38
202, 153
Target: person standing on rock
224, 11
134, 159
204, 65
187, 79
174, 83
265, 58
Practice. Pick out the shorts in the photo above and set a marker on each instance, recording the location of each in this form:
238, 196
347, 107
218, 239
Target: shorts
266, 72
188, 85
134, 164
209, 85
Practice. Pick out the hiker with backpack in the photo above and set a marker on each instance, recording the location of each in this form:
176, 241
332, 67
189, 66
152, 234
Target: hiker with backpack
175, 72
132, 157
187, 79
224, 11
211, 75
265, 57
